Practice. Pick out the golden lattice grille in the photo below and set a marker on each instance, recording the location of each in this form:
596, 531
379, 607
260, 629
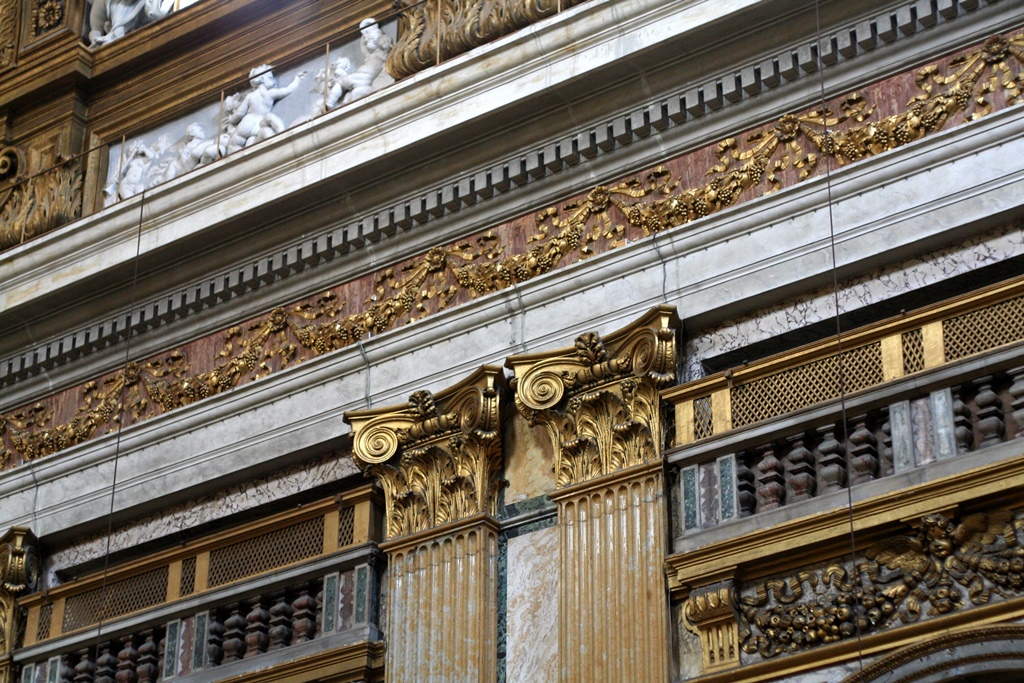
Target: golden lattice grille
913, 351
702, 424
188, 576
45, 615
268, 551
346, 526
117, 599
984, 329
806, 385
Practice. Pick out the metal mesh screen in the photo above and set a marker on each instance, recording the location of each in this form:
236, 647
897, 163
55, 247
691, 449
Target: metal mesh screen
806, 385
346, 526
983, 329
702, 425
45, 615
268, 551
188, 576
913, 351
119, 598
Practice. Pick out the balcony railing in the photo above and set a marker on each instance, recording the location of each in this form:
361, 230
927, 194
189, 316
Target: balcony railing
290, 579
926, 387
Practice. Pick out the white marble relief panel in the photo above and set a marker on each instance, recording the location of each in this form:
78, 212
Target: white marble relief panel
880, 285
532, 625
192, 513
275, 100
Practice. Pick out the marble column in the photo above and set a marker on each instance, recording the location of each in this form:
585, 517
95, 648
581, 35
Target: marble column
439, 461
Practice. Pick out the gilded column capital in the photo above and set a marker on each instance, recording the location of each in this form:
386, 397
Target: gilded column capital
437, 457
599, 399
710, 612
19, 574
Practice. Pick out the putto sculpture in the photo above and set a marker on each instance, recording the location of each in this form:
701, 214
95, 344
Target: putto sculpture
254, 120
375, 45
112, 19
243, 118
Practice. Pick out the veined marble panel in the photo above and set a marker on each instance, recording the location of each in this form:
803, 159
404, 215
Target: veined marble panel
205, 509
532, 624
882, 284
528, 459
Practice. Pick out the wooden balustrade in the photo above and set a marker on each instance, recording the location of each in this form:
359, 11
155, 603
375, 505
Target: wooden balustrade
289, 538
868, 357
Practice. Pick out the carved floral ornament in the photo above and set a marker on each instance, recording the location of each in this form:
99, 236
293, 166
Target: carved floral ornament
599, 400
438, 458
19, 574
431, 32
447, 275
944, 564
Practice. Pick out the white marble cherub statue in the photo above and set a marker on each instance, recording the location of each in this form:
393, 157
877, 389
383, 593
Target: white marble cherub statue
375, 45
327, 90
111, 19
253, 120
189, 154
133, 174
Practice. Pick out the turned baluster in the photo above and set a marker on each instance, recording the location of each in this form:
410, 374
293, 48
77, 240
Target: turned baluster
147, 669
962, 431
106, 665
831, 461
85, 669
863, 453
280, 622
303, 617
257, 623
771, 490
800, 480
234, 636
990, 413
886, 466
128, 659
1017, 401
215, 639
66, 674
746, 498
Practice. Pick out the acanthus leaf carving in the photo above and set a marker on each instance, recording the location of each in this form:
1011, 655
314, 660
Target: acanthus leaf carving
8, 32
39, 203
19, 574
440, 30
437, 457
944, 565
599, 400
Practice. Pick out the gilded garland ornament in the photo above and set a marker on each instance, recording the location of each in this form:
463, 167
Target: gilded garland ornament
945, 565
8, 32
447, 275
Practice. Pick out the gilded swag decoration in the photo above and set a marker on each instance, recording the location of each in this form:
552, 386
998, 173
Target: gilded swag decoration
788, 151
599, 400
438, 458
943, 566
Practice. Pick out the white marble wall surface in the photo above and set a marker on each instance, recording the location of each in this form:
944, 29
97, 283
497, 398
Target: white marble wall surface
532, 626
199, 511
970, 255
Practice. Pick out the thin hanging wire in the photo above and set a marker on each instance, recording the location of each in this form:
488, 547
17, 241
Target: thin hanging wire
840, 364
120, 427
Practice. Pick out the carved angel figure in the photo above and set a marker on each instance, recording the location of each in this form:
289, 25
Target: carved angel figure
112, 19
253, 120
134, 174
375, 45
195, 151
327, 89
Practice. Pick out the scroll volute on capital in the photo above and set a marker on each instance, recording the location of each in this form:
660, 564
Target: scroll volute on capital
645, 349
